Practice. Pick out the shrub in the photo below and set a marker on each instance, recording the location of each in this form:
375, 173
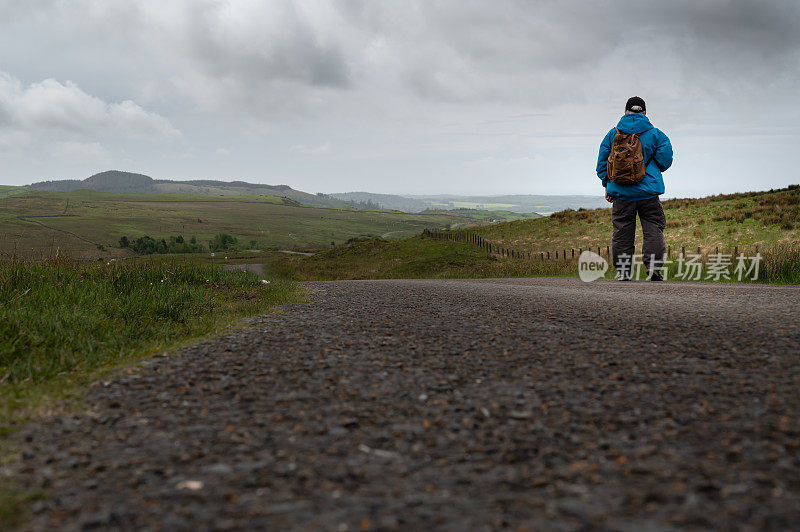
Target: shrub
222, 241
147, 245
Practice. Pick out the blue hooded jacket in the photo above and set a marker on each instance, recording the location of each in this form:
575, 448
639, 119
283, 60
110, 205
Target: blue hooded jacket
657, 151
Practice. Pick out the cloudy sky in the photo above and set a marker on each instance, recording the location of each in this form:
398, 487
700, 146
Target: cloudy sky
472, 97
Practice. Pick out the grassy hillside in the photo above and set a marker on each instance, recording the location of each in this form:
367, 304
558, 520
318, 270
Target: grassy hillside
743, 220
36, 223
769, 220
8, 190
410, 258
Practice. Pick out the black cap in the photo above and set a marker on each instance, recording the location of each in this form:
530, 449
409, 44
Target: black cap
636, 105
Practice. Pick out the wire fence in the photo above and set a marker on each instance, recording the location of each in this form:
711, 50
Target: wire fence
493, 248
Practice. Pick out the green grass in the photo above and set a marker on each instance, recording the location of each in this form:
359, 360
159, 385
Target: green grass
425, 257
102, 218
65, 323
60, 321
743, 221
9, 190
411, 258
420, 257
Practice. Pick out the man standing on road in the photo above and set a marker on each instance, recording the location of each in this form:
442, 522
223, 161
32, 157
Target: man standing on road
632, 157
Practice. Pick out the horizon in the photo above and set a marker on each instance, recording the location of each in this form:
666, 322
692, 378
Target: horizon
665, 196
450, 99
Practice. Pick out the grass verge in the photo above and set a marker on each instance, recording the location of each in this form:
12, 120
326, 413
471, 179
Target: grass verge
63, 323
419, 257
425, 257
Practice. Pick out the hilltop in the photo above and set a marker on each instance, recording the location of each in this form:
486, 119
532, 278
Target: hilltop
132, 183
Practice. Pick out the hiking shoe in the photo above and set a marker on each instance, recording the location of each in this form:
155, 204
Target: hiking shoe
656, 276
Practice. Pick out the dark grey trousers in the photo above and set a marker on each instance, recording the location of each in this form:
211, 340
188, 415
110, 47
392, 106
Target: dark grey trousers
623, 217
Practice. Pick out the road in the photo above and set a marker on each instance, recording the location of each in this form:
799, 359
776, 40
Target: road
532, 404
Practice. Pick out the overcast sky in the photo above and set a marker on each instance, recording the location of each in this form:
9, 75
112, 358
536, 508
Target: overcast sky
467, 97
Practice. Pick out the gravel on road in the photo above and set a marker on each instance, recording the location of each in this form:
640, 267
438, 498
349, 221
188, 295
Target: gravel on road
531, 404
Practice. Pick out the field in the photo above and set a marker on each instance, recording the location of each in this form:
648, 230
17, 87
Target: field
423, 257
7, 190
89, 224
742, 220
416, 257
767, 221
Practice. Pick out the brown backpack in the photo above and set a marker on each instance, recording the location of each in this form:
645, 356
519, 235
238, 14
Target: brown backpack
626, 161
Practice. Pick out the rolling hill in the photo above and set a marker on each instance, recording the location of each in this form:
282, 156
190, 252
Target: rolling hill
768, 220
7, 190
89, 223
132, 183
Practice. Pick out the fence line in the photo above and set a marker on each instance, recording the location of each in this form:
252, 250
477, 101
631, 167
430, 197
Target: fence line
492, 248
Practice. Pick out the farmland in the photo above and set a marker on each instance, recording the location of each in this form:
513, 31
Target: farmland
769, 221
89, 224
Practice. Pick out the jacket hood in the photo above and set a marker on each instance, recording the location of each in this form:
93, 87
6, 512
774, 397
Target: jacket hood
634, 123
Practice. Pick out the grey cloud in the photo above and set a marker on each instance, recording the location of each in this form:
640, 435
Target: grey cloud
276, 44
284, 56
59, 108
406, 91
536, 52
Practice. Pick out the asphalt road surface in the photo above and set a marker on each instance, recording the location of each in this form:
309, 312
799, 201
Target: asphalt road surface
528, 404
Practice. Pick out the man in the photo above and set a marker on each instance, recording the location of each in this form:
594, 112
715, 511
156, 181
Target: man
634, 186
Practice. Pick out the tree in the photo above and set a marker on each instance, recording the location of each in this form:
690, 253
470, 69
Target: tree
124, 242
222, 241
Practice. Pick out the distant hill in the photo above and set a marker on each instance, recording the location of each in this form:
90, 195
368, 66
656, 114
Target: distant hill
516, 202
90, 223
521, 203
384, 201
131, 183
111, 181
